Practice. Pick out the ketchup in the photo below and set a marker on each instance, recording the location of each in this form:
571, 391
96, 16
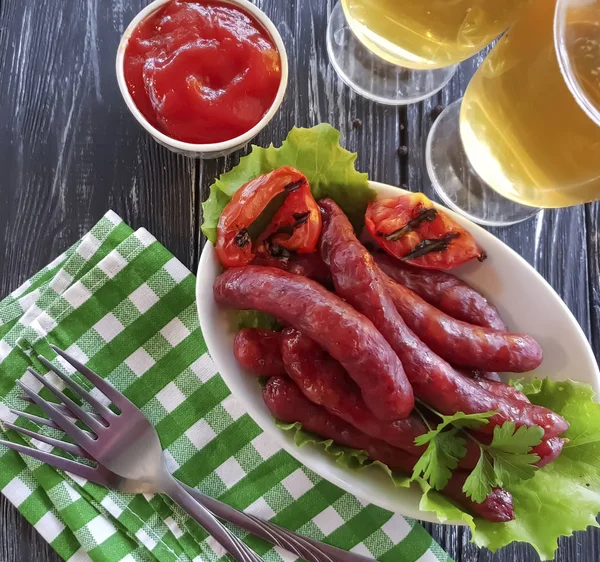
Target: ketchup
202, 71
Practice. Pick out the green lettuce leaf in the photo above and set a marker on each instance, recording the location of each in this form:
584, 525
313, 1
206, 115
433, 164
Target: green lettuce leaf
527, 386
352, 459
317, 153
559, 499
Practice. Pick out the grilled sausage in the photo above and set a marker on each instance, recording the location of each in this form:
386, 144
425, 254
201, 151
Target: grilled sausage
464, 344
548, 450
287, 404
259, 351
325, 383
344, 333
358, 280
444, 291
494, 385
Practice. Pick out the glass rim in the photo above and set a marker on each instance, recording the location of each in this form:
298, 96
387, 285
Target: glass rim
565, 65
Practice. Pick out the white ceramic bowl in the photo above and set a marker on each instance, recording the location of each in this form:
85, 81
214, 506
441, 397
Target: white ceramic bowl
523, 297
213, 150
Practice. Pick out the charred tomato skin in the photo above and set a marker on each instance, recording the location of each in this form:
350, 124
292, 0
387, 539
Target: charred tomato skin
411, 228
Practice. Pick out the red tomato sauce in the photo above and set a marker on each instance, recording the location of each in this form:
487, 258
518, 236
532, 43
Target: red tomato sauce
202, 71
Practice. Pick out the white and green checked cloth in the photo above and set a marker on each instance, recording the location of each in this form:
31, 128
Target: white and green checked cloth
120, 302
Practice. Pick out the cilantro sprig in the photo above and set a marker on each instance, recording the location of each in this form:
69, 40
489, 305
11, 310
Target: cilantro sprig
506, 460
446, 445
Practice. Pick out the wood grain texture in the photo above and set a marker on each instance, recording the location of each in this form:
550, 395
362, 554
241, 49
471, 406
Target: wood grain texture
19, 541
593, 227
70, 150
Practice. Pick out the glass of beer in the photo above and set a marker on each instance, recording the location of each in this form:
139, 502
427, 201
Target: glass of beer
527, 133
402, 51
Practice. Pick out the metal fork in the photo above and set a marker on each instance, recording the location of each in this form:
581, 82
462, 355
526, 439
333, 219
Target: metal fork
127, 445
303, 547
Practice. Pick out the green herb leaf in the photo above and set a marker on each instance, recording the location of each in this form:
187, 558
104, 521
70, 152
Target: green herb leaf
511, 468
445, 448
511, 440
480, 482
317, 153
459, 420
443, 452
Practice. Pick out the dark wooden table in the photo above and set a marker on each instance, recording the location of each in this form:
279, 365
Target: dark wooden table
70, 150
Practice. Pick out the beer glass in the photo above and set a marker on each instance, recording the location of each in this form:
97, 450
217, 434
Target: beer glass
527, 133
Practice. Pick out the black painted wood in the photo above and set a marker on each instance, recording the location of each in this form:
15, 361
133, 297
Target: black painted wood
69, 150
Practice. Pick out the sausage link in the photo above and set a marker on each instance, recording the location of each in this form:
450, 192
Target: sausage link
287, 404
548, 450
464, 344
502, 390
325, 383
444, 291
259, 351
434, 381
495, 386
307, 265
344, 333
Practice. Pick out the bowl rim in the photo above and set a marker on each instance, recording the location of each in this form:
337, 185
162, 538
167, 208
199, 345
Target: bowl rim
285, 440
270, 28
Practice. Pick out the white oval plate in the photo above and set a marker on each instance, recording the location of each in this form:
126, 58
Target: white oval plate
523, 297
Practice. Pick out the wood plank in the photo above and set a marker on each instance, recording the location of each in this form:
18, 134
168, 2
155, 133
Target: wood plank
19, 541
70, 150
593, 231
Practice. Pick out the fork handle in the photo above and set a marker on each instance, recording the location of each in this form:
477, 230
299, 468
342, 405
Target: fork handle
239, 551
303, 547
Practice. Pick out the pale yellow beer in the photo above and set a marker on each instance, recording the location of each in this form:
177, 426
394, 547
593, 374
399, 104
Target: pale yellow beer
428, 34
522, 128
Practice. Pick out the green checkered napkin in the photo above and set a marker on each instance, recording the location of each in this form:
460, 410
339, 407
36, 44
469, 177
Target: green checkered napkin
120, 302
